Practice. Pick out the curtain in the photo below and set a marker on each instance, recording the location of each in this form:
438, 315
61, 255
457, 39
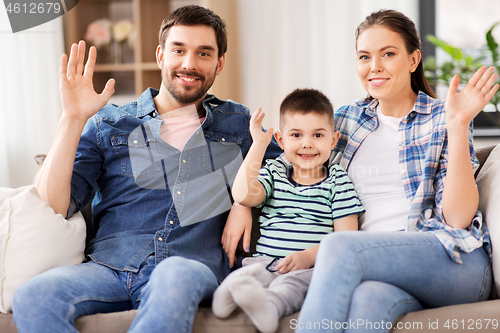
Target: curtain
29, 97
288, 44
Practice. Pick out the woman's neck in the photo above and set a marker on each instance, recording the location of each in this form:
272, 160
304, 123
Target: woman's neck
398, 107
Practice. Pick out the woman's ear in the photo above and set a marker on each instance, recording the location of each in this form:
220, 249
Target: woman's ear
415, 58
279, 139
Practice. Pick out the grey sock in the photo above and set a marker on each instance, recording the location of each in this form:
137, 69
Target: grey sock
250, 296
222, 303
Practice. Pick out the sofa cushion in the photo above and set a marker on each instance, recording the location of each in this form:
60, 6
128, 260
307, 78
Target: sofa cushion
33, 239
488, 183
476, 317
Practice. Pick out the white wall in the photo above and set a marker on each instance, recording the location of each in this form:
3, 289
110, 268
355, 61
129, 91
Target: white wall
288, 44
29, 97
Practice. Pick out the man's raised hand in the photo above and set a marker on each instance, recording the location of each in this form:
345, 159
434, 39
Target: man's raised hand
78, 97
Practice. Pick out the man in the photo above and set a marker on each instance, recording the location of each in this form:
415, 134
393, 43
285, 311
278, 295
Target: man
160, 169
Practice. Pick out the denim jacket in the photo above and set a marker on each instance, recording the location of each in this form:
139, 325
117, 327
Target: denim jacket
149, 196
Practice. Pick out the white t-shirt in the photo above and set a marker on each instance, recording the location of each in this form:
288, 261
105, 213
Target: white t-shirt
375, 173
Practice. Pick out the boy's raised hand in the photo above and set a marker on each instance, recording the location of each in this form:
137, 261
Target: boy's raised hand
78, 97
258, 135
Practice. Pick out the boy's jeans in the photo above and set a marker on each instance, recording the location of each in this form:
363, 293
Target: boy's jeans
167, 295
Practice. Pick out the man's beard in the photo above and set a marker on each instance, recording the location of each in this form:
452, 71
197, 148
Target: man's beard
187, 94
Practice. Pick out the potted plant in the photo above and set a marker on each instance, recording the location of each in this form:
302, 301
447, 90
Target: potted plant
465, 65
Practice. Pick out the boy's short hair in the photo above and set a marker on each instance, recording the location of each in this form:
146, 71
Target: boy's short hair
307, 100
192, 15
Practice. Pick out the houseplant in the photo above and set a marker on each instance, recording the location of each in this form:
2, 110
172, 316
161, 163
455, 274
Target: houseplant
465, 65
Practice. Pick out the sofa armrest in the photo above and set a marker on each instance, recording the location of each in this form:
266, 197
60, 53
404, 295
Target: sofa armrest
482, 154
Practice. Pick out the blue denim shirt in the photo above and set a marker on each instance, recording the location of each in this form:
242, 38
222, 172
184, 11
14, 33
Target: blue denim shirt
149, 196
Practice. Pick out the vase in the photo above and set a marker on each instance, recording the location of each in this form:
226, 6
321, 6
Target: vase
116, 53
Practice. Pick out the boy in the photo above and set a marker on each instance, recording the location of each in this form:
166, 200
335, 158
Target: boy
301, 195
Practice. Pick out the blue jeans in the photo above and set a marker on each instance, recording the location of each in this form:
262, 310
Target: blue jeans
167, 295
363, 281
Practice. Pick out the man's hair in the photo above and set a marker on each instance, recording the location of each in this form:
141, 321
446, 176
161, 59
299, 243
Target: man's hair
306, 101
196, 15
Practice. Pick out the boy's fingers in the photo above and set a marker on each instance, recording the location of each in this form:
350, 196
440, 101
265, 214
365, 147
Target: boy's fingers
284, 263
255, 115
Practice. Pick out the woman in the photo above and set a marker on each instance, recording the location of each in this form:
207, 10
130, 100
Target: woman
412, 161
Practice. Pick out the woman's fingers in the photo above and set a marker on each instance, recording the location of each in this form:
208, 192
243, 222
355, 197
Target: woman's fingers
492, 92
490, 83
474, 80
452, 91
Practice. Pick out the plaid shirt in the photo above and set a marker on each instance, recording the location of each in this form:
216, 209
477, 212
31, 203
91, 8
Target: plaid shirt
423, 161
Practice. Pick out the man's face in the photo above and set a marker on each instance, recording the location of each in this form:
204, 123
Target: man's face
189, 62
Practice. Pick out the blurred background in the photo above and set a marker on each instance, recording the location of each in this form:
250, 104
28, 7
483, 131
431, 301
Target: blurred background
275, 46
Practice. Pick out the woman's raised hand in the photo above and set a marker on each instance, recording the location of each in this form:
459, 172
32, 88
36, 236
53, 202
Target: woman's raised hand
78, 97
462, 107
258, 135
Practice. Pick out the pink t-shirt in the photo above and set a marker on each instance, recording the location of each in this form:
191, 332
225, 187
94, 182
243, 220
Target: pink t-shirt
176, 131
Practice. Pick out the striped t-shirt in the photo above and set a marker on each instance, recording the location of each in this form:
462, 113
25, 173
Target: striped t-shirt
296, 217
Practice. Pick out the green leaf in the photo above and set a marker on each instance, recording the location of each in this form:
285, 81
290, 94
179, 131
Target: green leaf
454, 52
492, 44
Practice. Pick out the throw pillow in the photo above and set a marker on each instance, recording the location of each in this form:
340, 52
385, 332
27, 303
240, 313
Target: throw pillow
488, 183
33, 239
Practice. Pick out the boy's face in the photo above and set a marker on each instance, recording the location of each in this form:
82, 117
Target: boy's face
307, 140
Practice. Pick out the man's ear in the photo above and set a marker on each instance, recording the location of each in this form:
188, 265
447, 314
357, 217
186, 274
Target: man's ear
220, 64
279, 139
159, 56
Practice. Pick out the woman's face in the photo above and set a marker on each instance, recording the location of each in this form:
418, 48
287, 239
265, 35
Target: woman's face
384, 64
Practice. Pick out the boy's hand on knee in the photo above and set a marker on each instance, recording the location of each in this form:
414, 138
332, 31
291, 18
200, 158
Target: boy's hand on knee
297, 260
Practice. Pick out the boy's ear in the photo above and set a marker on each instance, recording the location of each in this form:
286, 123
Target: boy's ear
279, 139
336, 136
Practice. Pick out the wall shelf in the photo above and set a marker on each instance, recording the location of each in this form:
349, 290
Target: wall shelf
142, 71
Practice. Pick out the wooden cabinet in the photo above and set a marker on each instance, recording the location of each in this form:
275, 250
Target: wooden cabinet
139, 69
